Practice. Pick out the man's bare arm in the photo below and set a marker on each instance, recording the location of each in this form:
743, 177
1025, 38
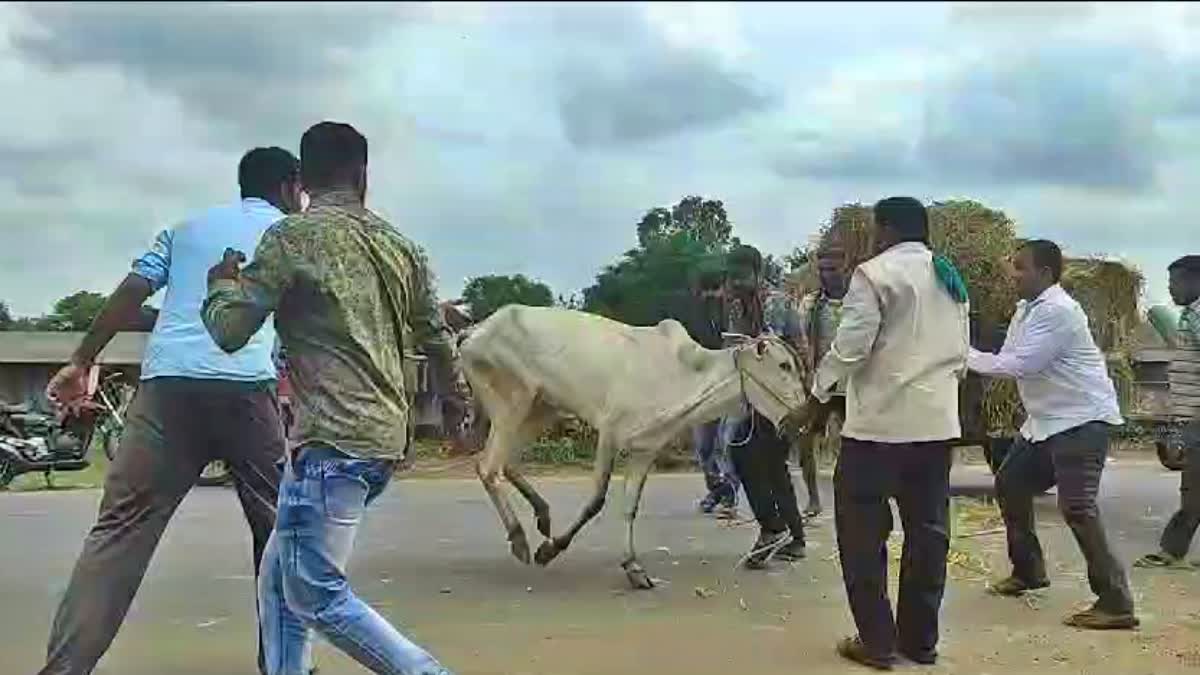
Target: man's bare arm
122, 311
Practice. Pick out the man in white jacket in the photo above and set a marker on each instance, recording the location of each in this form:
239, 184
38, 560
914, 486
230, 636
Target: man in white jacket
1071, 405
901, 347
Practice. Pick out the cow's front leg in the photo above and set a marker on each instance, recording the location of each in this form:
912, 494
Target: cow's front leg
606, 455
635, 483
518, 543
541, 508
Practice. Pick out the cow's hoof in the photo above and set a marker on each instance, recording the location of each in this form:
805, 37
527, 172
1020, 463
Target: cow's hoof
638, 577
519, 547
546, 552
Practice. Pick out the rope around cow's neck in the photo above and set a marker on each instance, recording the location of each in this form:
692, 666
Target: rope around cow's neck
742, 375
745, 400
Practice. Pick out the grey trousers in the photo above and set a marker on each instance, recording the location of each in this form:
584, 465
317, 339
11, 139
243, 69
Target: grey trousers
174, 428
1177, 537
1073, 460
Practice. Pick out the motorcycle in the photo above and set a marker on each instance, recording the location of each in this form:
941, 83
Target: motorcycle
34, 442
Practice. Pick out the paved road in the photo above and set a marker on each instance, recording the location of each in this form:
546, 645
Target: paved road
432, 554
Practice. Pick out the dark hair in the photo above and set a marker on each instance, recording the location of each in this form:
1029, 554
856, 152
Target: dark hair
1188, 265
746, 256
1047, 255
262, 170
331, 154
905, 216
708, 278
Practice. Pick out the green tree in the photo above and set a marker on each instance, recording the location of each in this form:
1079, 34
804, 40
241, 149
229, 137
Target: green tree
6, 317
703, 220
77, 311
674, 244
486, 294
797, 259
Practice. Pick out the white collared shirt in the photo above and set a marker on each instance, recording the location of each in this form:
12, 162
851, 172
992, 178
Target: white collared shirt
1061, 374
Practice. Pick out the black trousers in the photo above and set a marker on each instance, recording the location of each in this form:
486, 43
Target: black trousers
917, 476
1074, 460
1177, 537
761, 464
174, 428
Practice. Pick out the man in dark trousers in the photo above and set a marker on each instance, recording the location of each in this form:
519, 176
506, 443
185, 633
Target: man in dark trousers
758, 450
700, 312
1184, 377
901, 347
195, 404
1071, 407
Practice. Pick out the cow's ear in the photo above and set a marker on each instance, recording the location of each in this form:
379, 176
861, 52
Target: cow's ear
761, 348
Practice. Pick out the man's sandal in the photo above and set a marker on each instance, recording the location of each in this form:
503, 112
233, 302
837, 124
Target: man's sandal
1162, 560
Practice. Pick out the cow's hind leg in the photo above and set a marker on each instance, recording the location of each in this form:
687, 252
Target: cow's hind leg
606, 455
635, 482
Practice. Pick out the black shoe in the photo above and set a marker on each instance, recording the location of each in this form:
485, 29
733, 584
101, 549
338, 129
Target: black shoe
768, 544
922, 657
792, 551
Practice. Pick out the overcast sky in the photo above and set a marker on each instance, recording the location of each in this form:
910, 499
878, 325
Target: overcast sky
530, 138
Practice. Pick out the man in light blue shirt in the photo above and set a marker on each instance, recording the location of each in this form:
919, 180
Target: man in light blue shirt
195, 404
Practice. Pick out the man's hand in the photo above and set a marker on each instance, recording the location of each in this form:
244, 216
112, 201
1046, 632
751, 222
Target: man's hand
69, 386
229, 268
798, 422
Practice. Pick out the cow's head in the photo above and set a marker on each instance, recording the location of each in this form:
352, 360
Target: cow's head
773, 377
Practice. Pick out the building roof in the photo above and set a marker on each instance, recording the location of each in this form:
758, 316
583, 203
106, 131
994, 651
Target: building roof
18, 347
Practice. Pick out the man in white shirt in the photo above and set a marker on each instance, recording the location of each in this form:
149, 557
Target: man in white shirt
901, 348
1071, 405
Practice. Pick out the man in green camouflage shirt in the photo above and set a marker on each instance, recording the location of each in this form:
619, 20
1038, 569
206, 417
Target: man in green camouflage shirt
349, 294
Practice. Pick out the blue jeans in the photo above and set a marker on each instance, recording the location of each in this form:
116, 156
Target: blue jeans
302, 582
712, 455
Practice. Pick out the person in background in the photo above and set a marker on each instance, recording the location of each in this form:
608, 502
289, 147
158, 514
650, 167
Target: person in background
821, 311
195, 404
348, 292
1184, 377
455, 408
901, 348
1071, 406
700, 312
758, 450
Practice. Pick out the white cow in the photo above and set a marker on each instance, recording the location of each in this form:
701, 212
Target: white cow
638, 387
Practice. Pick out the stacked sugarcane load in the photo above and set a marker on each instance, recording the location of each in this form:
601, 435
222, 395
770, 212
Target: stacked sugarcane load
981, 242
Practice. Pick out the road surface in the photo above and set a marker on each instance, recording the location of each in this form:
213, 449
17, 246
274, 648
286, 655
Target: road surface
432, 558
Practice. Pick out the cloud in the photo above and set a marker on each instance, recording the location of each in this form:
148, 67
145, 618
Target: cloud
255, 66
634, 76
1063, 115
1081, 115
671, 95
531, 137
